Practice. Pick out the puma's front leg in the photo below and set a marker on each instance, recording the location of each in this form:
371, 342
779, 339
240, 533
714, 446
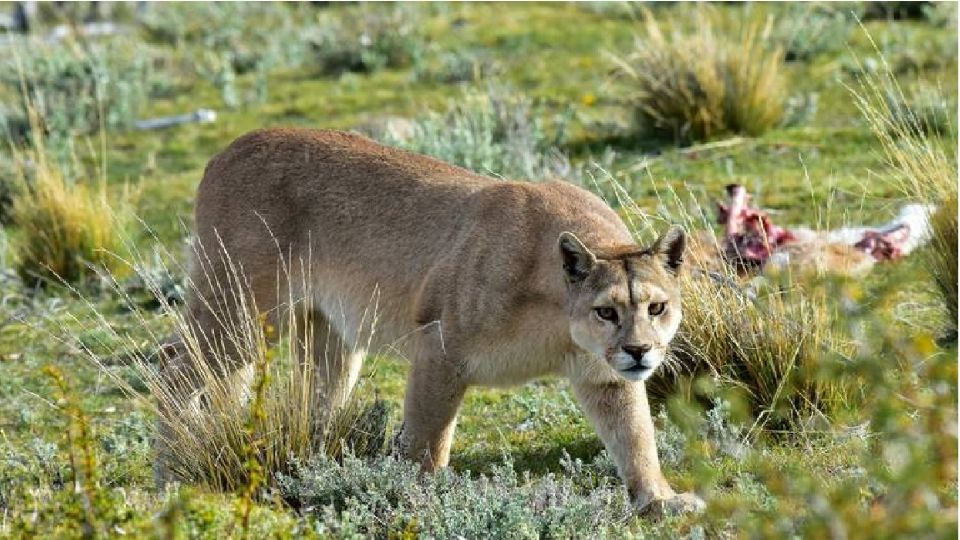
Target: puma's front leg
621, 415
434, 394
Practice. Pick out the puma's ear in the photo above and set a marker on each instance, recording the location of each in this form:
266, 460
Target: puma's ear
578, 261
671, 245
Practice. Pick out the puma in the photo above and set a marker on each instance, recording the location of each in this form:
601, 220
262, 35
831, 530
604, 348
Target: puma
478, 281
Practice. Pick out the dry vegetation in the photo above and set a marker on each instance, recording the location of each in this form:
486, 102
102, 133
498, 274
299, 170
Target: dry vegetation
68, 229
719, 77
926, 170
229, 434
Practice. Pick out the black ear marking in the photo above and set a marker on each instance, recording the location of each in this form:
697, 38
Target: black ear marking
672, 245
578, 261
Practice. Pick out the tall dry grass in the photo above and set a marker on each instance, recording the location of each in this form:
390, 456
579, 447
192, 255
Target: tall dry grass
923, 159
236, 433
712, 76
65, 229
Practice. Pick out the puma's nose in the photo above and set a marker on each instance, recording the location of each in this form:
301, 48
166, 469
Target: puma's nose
637, 351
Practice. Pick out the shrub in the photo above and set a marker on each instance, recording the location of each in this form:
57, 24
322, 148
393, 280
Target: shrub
806, 31
459, 66
246, 34
390, 498
885, 9
924, 167
800, 109
8, 186
900, 478
367, 40
75, 88
941, 14
234, 38
66, 228
615, 9
906, 49
694, 85
495, 133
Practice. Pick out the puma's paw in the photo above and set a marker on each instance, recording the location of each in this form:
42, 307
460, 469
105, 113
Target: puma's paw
682, 503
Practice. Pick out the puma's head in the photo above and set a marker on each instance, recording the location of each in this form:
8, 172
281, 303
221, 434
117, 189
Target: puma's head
624, 302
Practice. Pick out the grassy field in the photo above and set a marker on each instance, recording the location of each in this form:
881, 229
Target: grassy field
879, 461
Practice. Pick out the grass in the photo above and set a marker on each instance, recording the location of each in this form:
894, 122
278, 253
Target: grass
943, 255
881, 463
773, 348
67, 229
238, 432
692, 85
922, 152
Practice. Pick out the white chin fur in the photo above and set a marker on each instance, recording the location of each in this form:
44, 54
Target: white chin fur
637, 376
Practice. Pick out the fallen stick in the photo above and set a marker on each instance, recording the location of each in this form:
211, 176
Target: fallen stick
200, 116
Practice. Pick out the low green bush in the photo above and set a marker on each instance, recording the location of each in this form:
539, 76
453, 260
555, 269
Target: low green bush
246, 34
367, 40
496, 132
585, 501
75, 88
809, 30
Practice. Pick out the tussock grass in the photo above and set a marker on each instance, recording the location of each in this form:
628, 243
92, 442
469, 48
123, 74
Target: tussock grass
943, 255
719, 78
65, 228
922, 156
773, 347
236, 433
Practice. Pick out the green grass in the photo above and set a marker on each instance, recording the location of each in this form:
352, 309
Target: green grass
828, 171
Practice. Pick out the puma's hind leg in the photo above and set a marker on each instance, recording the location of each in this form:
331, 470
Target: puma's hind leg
336, 363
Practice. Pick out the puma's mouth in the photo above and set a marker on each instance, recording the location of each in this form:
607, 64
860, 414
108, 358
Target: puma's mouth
639, 372
631, 369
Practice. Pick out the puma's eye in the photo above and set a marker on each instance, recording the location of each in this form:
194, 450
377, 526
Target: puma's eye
656, 309
607, 314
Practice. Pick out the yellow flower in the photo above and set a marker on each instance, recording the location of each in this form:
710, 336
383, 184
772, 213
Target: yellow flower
588, 99
925, 345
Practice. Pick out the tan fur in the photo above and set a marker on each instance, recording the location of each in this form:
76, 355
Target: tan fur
819, 257
812, 253
478, 281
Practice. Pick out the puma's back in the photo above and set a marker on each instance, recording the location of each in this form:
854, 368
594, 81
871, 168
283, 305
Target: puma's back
420, 235
332, 190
